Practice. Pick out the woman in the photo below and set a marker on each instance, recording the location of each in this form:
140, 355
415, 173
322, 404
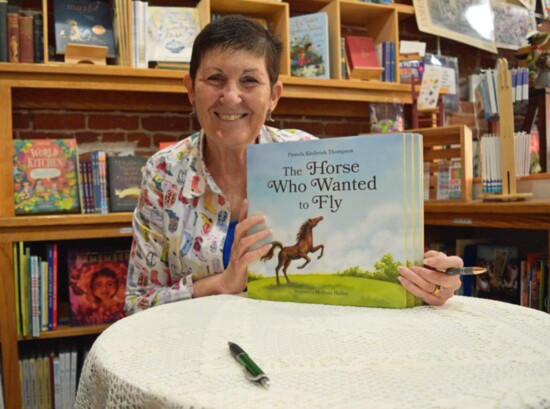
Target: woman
187, 242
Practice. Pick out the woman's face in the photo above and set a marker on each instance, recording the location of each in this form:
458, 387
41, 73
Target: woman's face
104, 287
232, 95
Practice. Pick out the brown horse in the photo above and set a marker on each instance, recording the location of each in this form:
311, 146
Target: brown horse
303, 246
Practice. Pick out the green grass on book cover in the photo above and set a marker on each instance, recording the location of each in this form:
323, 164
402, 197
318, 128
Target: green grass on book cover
45, 176
344, 213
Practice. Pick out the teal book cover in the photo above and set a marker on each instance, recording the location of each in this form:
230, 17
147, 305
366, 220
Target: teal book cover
309, 45
344, 213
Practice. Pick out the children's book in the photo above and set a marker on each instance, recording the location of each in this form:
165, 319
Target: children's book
45, 175
124, 181
309, 45
171, 32
83, 22
344, 212
502, 279
97, 283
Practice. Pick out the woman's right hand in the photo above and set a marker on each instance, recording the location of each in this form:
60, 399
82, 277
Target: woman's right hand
235, 277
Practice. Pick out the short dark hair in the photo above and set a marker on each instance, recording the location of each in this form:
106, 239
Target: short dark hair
235, 32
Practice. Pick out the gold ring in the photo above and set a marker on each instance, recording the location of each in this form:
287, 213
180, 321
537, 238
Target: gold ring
436, 290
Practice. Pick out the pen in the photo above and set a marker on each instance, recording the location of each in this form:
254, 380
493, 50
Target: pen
464, 271
252, 371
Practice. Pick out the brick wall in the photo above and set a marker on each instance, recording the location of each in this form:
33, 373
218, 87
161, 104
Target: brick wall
145, 130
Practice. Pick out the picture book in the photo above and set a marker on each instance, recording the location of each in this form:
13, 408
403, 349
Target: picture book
124, 181
344, 212
83, 22
309, 45
45, 176
501, 281
97, 283
171, 32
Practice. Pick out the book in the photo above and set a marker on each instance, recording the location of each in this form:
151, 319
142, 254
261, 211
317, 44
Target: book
309, 45
342, 220
3, 31
38, 37
362, 59
13, 37
171, 32
124, 181
97, 283
501, 281
83, 22
45, 176
26, 39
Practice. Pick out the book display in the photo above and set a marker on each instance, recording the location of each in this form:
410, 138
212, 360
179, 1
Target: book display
342, 221
309, 46
57, 86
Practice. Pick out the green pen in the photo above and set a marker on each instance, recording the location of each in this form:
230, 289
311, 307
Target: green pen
252, 371
464, 271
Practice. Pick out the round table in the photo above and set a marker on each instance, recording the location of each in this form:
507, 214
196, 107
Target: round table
469, 353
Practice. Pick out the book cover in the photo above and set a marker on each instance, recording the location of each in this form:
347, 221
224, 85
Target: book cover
124, 181
45, 176
501, 281
342, 219
97, 282
171, 32
83, 22
309, 45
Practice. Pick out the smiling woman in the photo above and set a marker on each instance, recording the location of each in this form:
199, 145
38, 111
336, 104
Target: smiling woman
191, 228
183, 248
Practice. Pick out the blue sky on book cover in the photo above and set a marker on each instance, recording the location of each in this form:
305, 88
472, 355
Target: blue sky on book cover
382, 215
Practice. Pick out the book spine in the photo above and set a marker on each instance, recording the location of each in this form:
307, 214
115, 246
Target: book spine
3, 31
50, 287
26, 39
54, 285
13, 37
38, 38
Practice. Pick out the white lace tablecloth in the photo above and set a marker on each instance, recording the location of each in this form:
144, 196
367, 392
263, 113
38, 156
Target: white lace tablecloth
470, 353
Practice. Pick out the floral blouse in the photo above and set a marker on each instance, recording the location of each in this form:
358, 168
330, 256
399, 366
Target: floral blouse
180, 223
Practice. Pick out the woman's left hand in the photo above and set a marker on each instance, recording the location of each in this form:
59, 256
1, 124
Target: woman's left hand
431, 284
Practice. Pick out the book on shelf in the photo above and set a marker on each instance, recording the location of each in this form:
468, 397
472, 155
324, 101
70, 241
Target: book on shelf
45, 175
13, 37
362, 59
38, 37
97, 283
83, 22
429, 88
342, 220
171, 32
3, 31
309, 45
501, 281
124, 181
26, 39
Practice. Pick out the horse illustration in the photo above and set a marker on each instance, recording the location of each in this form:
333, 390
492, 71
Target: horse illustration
303, 246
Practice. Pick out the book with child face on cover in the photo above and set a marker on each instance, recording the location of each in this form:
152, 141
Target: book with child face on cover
97, 284
344, 212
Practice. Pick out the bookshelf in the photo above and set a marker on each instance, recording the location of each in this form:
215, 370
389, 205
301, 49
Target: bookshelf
60, 86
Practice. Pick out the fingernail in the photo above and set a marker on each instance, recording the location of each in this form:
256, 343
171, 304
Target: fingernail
429, 262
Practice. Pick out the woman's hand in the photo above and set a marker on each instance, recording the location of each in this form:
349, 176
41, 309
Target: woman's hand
431, 284
234, 279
